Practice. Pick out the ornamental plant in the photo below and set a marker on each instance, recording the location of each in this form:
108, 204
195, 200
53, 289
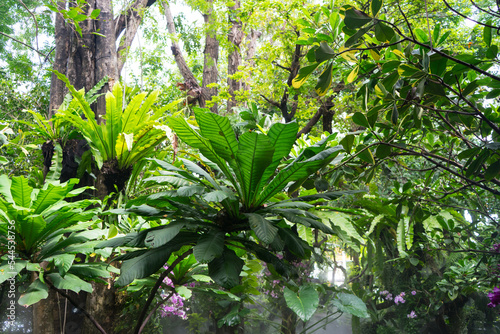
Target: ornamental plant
227, 203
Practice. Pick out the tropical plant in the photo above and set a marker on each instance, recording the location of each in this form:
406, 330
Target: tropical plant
125, 135
43, 233
224, 219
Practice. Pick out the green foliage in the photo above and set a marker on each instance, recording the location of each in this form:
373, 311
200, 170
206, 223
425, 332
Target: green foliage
39, 225
127, 134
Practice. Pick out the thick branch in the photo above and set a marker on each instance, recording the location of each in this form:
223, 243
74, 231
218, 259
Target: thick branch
186, 73
122, 22
132, 22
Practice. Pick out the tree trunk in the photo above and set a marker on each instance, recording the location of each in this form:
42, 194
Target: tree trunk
46, 315
288, 321
235, 38
211, 55
86, 59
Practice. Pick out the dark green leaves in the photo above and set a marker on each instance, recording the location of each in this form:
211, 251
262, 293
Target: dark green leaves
355, 18
375, 7
209, 247
324, 53
225, 270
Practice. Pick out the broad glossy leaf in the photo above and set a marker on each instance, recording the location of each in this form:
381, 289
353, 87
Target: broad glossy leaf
296, 171
355, 18
324, 80
70, 282
225, 270
21, 191
7, 270
151, 261
210, 246
264, 229
324, 53
161, 236
305, 303
492, 170
219, 132
375, 6
255, 155
383, 32
360, 119
487, 33
352, 304
35, 292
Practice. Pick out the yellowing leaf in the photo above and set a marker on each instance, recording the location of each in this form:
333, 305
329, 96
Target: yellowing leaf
350, 56
375, 55
353, 75
398, 53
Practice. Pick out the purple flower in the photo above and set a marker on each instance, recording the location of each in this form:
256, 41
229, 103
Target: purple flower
399, 299
402, 294
412, 315
388, 297
414, 292
383, 293
496, 248
494, 297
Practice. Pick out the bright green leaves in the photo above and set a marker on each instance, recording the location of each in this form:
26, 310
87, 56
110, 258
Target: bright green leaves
125, 135
35, 292
305, 303
487, 33
256, 153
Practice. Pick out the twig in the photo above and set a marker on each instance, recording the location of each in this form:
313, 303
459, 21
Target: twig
20, 42
155, 289
154, 310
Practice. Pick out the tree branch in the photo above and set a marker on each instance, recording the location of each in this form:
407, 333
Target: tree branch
26, 45
75, 304
155, 289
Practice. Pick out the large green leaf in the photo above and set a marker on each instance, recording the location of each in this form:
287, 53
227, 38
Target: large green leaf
150, 261
49, 195
305, 303
263, 228
70, 282
225, 270
219, 132
254, 156
21, 191
352, 304
189, 135
36, 292
210, 246
354, 18
296, 171
8, 270
159, 237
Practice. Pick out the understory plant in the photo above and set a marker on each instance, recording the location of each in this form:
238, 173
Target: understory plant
227, 205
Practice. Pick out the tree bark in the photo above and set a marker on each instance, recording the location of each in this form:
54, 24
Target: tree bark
189, 79
211, 55
62, 40
235, 38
